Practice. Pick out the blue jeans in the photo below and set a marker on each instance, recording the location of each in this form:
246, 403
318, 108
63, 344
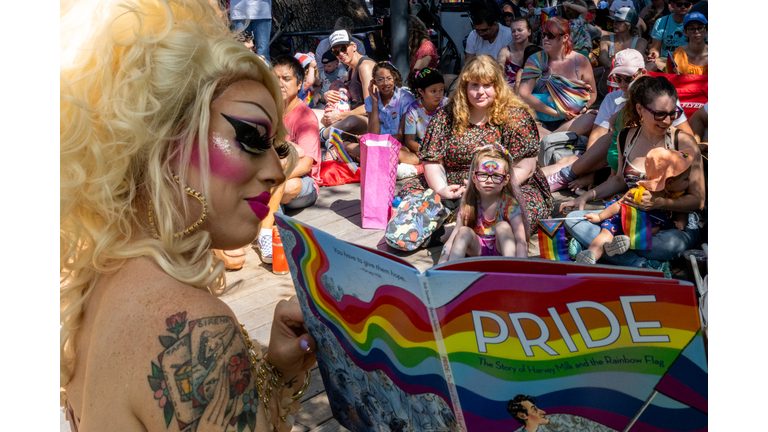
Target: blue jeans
667, 244
260, 29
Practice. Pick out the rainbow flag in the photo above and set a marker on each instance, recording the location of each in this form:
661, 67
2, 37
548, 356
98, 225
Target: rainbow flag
337, 143
636, 225
571, 341
552, 243
547, 13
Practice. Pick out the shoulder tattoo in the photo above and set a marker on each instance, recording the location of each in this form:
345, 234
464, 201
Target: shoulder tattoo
202, 378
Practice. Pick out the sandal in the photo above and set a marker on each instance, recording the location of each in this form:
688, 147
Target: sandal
233, 259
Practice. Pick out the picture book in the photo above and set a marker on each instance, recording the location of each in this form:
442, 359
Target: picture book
497, 344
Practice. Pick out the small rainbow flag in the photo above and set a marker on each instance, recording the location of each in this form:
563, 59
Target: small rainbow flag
336, 143
552, 244
547, 13
637, 225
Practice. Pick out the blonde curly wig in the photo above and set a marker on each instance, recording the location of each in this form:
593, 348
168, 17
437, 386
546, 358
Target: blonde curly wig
483, 69
137, 80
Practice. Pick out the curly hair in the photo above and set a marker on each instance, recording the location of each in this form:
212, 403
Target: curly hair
484, 69
469, 208
137, 79
515, 406
644, 91
391, 68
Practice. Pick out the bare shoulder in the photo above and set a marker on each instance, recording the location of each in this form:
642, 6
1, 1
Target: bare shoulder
176, 351
687, 143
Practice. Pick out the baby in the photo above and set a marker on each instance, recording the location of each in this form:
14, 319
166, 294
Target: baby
330, 73
668, 172
343, 104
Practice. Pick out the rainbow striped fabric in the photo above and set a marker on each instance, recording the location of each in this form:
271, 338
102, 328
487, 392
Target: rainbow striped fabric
637, 225
547, 13
567, 95
686, 379
575, 342
552, 243
337, 143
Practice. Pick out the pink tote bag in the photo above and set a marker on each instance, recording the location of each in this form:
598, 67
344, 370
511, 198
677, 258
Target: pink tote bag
378, 168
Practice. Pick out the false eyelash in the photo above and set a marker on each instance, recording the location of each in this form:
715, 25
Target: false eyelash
249, 137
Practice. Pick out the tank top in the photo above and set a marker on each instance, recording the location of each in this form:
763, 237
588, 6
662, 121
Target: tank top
355, 84
631, 173
612, 54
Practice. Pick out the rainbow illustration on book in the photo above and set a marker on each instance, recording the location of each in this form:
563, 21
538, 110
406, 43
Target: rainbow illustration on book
576, 344
335, 142
637, 225
686, 379
547, 13
552, 243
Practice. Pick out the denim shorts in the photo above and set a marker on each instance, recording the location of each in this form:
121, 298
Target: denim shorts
307, 196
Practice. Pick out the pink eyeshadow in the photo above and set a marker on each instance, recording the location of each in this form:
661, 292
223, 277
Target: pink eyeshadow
225, 162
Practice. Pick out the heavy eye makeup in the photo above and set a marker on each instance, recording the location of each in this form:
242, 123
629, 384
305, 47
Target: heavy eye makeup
252, 139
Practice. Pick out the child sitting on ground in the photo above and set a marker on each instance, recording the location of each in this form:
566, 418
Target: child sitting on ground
491, 219
668, 171
430, 95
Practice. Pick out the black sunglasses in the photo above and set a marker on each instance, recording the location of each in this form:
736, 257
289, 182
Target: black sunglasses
623, 78
336, 51
661, 115
683, 4
551, 36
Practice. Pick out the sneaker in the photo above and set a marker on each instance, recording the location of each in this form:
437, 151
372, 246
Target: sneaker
586, 257
617, 246
574, 247
263, 247
556, 182
405, 171
662, 266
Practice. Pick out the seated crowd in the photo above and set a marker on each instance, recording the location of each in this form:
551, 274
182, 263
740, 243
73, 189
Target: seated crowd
526, 81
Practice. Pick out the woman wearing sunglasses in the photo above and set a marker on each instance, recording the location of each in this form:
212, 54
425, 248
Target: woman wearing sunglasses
626, 36
647, 118
558, 83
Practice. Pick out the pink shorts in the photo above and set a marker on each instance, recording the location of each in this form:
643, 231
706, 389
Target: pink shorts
488, 246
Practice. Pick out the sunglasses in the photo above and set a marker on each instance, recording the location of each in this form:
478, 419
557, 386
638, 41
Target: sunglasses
661, 115
483, 176
696, 29
335, 51
683, 4
551, 36
618, 79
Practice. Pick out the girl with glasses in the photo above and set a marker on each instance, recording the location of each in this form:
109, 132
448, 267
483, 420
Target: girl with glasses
482, 109
647, 118
386, 107
693, 57
626, 36
491, 219
558, 83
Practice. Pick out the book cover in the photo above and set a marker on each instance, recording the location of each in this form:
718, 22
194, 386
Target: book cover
497, 344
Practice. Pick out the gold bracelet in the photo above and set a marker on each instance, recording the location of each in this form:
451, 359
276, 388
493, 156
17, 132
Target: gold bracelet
307, 379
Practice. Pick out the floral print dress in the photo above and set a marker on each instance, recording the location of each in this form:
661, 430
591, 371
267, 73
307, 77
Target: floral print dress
519, 136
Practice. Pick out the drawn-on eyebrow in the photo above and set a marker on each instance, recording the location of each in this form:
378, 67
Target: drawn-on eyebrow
260, 106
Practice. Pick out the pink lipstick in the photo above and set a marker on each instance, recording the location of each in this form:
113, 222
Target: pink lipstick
260, 204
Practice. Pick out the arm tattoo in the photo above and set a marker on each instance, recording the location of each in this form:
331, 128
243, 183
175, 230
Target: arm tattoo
203, 375
443, 175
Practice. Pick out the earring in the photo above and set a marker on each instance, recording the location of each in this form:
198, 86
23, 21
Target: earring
191, 192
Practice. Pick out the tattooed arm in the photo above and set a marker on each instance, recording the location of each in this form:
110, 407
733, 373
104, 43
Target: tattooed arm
205, 371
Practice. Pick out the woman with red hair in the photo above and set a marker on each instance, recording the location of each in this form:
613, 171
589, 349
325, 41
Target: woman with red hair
558, 82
